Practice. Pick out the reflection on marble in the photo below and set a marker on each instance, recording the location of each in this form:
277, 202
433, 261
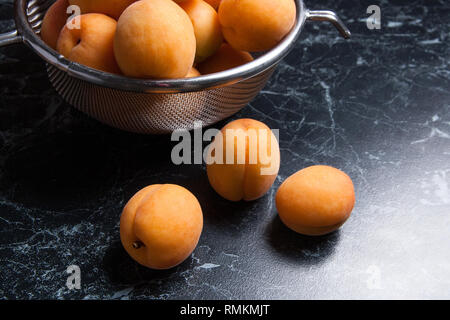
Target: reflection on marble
376, 106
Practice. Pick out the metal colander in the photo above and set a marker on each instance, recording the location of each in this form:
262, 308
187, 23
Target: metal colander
155, 106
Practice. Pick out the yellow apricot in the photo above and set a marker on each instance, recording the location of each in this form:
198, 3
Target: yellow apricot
244, 160
316, 200
160, 226
92, 43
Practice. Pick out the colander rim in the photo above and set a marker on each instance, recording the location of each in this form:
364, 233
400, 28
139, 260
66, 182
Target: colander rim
204, 82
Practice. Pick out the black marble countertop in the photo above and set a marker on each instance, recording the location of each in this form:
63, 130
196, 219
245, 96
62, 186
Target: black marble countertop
376, 106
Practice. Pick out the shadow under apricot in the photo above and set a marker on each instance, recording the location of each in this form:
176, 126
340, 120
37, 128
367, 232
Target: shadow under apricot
300, 249
122, 270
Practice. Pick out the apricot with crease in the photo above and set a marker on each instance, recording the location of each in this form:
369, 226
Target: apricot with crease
92, 43
160, 225
243, 160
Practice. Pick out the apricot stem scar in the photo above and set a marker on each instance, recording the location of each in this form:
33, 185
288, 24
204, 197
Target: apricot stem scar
138, 244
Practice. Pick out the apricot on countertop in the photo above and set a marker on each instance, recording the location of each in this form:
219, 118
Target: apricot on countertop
243, 160
161, 225
316, 200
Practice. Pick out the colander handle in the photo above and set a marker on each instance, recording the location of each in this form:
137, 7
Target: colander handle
330, 16
9, 38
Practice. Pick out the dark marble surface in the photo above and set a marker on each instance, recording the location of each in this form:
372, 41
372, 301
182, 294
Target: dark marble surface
376, 106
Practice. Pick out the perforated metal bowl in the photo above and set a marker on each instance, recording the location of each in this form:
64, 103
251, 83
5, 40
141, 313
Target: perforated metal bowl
155, 106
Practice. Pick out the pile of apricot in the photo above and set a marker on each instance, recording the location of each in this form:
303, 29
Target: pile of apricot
161, 224
165, 39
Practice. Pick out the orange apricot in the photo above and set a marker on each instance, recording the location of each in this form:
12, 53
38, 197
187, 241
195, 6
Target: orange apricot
206, 27
112, 8
225, 58
160, 226
316, 200
155, 39
243, 160
92, 43
54, 20
256, 25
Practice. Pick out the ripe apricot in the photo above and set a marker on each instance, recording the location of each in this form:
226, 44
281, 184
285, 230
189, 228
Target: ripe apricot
243, 160
256, 25
160, 226
112, 8
316, 200
155, 39
225, 58
54, 20
206, 27
92, 43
